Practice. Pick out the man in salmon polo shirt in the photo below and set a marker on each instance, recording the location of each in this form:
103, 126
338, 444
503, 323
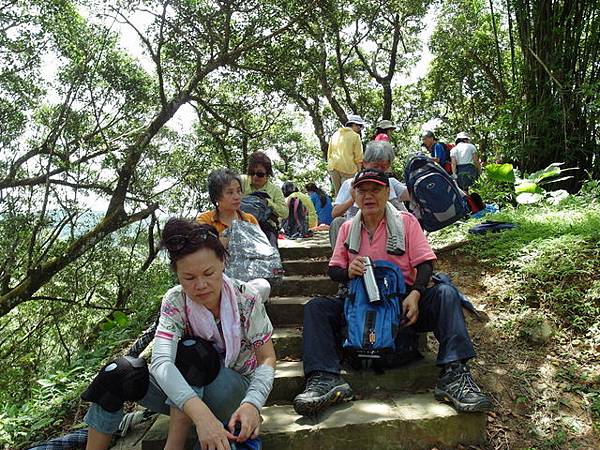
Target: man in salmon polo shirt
382, 232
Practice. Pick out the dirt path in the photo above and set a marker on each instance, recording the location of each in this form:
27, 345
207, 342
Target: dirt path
537, 387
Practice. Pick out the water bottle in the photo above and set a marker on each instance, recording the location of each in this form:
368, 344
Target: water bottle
370, 282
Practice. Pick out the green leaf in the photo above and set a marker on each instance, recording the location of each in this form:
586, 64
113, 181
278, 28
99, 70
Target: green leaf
500, 172
108, 325
551, 171
528, 198
45, 383
120, 318
526, 186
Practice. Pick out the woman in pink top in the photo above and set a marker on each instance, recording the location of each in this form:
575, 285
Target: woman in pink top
206, 306
379, 231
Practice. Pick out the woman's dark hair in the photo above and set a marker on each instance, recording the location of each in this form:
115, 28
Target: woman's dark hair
218, 180
261, 158
312, 187
288, 188
182, 237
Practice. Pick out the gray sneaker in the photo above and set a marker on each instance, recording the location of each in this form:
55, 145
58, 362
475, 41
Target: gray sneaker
456, 387
322, 390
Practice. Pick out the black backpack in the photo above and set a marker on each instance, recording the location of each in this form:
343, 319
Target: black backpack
434, 194
257, 206
296, 224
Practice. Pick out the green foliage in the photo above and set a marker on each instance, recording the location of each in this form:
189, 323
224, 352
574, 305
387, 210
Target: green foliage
494, 190
502, 173
554, 256
500, 182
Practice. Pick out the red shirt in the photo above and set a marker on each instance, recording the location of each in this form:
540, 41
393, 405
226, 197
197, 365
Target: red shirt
417, 249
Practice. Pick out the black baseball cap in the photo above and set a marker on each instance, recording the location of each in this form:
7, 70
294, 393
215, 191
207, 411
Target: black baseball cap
371, 175
197, 360
124, 379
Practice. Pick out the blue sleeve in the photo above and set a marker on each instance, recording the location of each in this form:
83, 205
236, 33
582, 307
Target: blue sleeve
315, 200
439, 152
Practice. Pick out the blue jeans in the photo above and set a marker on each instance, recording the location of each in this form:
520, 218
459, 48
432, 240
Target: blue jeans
222, 396
440, 311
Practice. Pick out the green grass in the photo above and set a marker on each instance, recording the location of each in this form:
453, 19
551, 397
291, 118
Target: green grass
549, 267
552, 257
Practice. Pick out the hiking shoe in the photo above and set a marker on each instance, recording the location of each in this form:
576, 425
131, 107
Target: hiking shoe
456, 386
322, 390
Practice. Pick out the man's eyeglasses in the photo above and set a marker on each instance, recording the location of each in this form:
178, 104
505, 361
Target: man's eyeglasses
257, 174
179, 241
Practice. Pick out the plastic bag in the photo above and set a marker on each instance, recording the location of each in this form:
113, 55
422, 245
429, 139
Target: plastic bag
250, 253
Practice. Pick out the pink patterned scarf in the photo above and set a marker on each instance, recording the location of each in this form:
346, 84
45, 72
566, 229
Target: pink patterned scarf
203, 324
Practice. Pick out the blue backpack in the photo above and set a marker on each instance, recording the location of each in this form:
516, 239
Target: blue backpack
374, 327
257, 206
434, 193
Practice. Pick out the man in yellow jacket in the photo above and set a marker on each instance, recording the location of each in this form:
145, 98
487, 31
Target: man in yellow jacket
345, 151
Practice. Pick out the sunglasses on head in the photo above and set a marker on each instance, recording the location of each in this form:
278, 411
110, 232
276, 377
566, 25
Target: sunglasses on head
257, 174
177, 242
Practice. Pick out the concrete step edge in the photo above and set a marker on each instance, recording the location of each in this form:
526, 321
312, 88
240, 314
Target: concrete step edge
417, 376
398, 422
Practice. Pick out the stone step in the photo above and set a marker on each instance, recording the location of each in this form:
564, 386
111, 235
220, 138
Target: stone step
413, 377
286, 311
288, 343
304, 252
306, 267
303, 286
398, 422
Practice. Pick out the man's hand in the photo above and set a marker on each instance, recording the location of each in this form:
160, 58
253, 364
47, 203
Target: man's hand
410, 308
356, 267
249, 419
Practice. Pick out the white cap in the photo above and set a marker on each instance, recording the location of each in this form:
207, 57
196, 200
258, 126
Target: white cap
462, 135
354, 118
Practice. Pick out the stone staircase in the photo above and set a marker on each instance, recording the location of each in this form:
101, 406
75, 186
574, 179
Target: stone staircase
394, 410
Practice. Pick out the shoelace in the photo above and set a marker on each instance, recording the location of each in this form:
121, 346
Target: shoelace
319, 384
463, 382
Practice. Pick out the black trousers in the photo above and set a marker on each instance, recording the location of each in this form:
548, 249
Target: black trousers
440, 312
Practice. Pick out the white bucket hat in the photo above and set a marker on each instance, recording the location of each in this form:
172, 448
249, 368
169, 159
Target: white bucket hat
355, 118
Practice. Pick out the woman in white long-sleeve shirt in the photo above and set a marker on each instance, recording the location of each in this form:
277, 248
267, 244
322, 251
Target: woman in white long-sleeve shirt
225, 312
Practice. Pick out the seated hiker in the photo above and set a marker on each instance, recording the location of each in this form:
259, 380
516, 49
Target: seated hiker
381, 232
378, 155
213, 359
321, 201
465, 163
290, 191
257, 181
225, 193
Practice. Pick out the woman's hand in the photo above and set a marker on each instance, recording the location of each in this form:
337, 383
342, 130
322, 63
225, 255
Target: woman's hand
212, 434
356, 267
249, 419
410, 308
